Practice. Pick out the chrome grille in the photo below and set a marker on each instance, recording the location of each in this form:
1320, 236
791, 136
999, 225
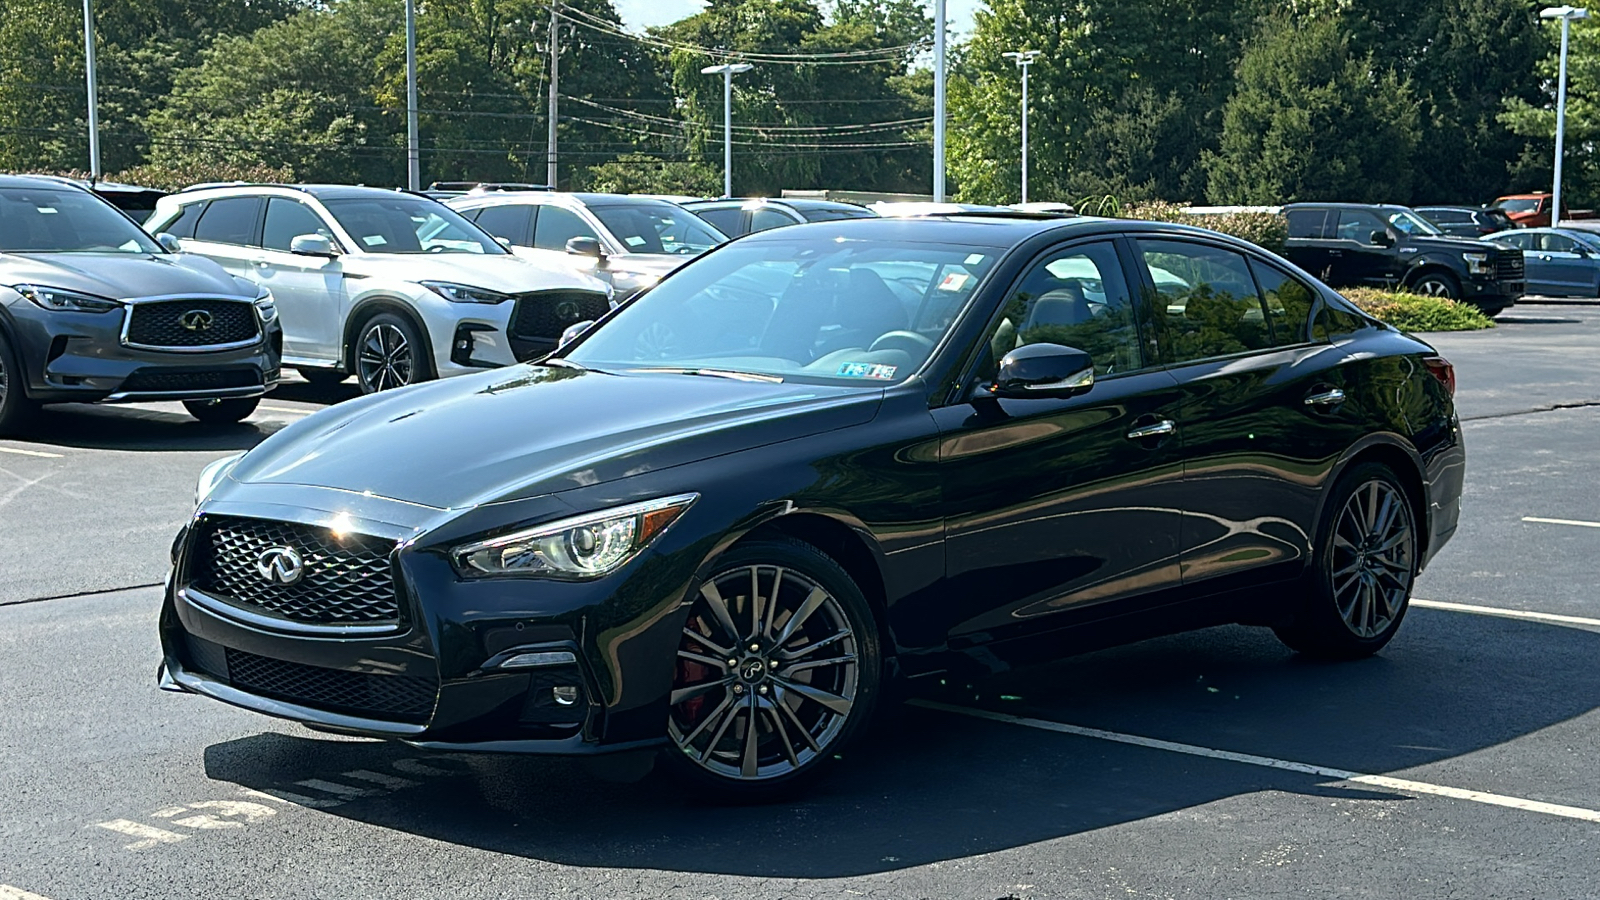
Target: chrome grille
347, 580
1508, 266
183, 324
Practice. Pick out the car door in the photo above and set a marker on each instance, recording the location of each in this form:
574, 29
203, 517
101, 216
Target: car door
1357, 259
1055, 505
309, 290
553, 226
1310, 242
1263, 409
1565, 267
227, 233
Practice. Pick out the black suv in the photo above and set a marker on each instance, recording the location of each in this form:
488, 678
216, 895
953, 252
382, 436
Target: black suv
92, 308
1380, 245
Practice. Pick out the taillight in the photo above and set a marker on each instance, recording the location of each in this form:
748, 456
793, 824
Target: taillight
1440, 368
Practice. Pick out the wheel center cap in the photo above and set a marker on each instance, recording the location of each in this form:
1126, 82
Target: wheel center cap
752, 670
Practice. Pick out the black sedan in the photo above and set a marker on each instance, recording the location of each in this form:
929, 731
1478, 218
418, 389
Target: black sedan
814, 460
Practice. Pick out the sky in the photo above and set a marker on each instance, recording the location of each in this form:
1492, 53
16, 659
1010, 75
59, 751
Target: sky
641, 14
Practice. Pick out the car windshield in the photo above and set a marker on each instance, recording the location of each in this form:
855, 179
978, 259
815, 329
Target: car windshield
820, 310
66, 220
834, 213
1518, 204
658, 228
1409, 222
406, 224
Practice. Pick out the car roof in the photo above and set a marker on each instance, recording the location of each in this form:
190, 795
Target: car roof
1309, 204
318, 191
591, 200
1473, 209
975, 229
38, 181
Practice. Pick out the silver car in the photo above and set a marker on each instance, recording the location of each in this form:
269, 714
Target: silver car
93, 309
391, 287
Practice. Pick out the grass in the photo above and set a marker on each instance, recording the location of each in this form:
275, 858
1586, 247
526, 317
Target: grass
1415, 312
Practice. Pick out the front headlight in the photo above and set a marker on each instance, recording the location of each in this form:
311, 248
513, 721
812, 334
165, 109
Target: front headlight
582, 547
1478, 264
461, 293
64, 300
265, 307
212, 475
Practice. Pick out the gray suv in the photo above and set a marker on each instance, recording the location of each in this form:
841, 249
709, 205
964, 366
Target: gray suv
92, 309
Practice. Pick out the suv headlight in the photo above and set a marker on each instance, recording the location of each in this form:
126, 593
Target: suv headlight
578, 548
212, 475
1478, 264
265, 307
59, 299
462, 293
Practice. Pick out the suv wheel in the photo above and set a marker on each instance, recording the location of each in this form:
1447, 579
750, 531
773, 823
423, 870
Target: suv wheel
222, 412
389, 354
15, 406
777, 672
1437, 284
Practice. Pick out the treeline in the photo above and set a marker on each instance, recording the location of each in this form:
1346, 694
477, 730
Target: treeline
1226, 101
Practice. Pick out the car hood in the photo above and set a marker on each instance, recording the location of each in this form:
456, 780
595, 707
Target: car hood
507, 274
530, 430
123, 276
657, 264
1451, 243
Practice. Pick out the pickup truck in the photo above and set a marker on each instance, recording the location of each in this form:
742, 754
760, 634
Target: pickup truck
1379, 245
1533, 210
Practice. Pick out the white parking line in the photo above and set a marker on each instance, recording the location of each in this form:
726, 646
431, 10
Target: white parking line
1578, 522
286, 409
1552, 618
1395, 784
38, 453
7, 892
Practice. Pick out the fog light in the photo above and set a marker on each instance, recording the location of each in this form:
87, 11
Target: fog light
564, 694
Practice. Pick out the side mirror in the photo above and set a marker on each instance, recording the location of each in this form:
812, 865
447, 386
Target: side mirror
1036, 371
503, 241
169, 242
1381, 239
312, 245
574, 331
586, 246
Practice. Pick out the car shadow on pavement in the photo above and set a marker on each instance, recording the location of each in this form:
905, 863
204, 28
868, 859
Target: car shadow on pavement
932, 786
141, 429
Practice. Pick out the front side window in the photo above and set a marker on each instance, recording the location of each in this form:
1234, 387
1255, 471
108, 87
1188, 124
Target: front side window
1076, 298
66, 220
658, 228
763, 219
556, 225
229, 221
822, 311
1206, 298
287, 220
725, 219
1555, 243
1519, 241
1358, 225
1406, 221
407, 224
511, 222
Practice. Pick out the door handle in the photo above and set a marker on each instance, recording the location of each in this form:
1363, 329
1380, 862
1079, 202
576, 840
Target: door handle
261, 263
1155, 429
1326, 398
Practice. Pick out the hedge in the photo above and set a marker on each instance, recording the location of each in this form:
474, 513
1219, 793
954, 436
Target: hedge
1416, 312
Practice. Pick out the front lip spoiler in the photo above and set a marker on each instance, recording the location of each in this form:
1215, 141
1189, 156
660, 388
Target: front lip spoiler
173, 677
255, 390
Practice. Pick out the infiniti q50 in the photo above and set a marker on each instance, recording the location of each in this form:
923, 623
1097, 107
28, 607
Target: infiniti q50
722, 520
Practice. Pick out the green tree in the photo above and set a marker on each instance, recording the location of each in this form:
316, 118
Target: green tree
1309, 120
1536, 120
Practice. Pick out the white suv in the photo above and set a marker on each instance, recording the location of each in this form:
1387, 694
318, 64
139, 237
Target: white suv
388, 286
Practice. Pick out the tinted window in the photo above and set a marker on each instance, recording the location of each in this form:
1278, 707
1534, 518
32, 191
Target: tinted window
402, 223
1520, 241
555, 226
1447, 216
1519, 204
763, 219
1288, 301
834, 213
1307, 223
43, 220
1336, 321
659, 228
725, 219
183, 225
1209, 299
1555, 243
230, 221
1076, 298
287, 220
513, 222
1358, 225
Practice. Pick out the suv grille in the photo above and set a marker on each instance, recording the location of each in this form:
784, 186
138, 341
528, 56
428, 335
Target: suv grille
1508, 266
346, 581
540, 318
192, 323
169, 381
406, 698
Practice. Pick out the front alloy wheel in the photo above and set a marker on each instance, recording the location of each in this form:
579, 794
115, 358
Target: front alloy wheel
16, 408
777, 668
1437, 284
389, 354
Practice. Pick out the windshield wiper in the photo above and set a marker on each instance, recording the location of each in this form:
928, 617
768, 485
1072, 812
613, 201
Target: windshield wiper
715, 373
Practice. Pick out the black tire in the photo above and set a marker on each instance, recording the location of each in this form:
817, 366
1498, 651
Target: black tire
1436, 283
389, 352
721, 684
16, 408
323, 378
1357, 592
222, 412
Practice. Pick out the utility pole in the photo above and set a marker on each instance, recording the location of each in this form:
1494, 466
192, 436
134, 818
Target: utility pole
94, 102
939, 29
1024, 59
555, 75
413, 142
727, 71
1566, 14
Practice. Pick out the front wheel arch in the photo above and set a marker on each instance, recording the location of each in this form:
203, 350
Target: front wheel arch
370, 307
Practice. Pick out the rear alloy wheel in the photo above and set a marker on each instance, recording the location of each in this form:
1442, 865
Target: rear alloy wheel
777, 671
15, 406
1366, 564
222, 412
1437, 284
389, 354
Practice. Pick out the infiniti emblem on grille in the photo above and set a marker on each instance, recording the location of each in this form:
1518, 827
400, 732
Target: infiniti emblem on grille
568, 311
280, 565
196, 320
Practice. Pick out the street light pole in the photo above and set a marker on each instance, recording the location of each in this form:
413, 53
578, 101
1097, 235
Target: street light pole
1024, 59
413, 142
1567, 14
727, 71
94, 101
939, 16
555, 75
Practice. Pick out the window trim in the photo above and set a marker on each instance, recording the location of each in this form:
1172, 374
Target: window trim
1317, 302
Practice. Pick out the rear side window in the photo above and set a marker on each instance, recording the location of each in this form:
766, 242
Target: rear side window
1336, 321
1209, 299
1307, 223
764, 219
230, 221
726, 220
287, 220
513, 222
1288, 301
1449, 216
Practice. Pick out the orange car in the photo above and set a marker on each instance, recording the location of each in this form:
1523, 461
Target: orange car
1533, 210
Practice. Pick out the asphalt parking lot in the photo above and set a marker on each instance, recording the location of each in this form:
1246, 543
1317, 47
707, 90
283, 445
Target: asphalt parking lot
1461, 762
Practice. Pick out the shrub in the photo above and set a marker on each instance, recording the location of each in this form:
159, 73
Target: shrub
1415, 312
1266, 230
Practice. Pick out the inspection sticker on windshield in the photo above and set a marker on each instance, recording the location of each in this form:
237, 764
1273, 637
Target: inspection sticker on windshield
955, 281
867, 370
374, 240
